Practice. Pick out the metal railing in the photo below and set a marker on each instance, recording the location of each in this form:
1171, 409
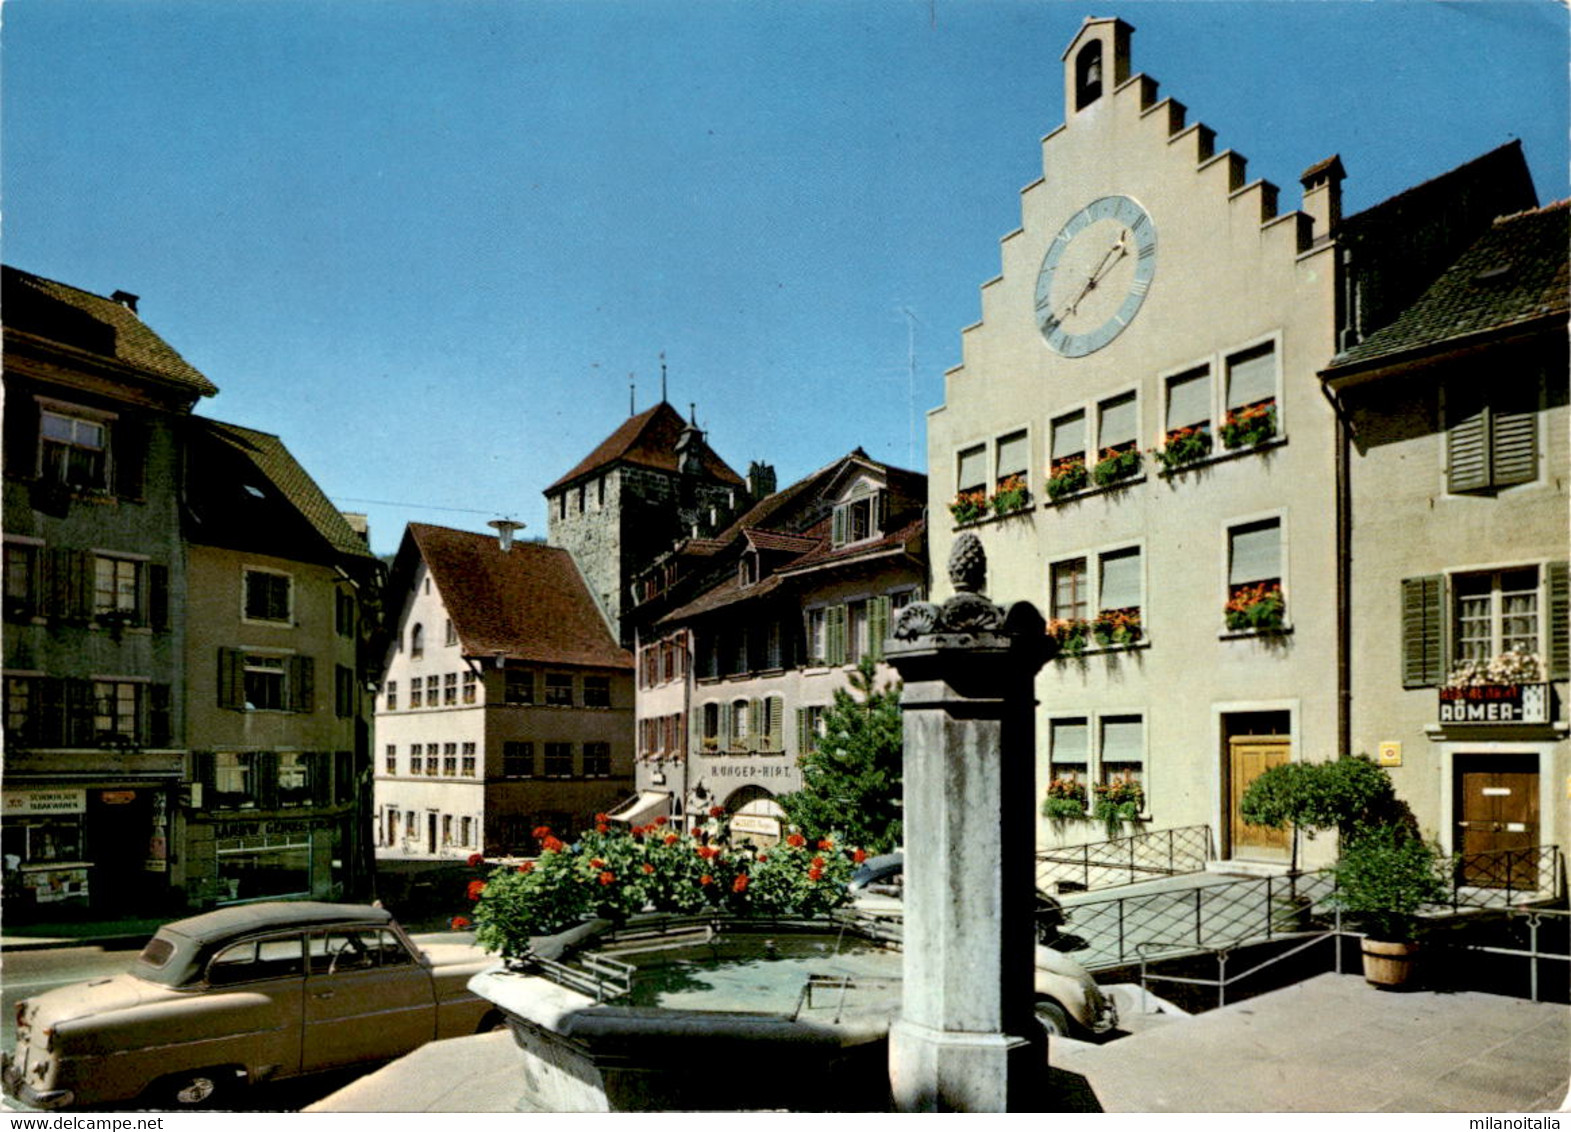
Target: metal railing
1534, 918
1124, 860
1152, 953
1503, 878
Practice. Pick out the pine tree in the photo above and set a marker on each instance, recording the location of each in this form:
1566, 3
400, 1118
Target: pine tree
851, 783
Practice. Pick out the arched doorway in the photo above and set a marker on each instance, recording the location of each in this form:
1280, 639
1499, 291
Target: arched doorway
755, 816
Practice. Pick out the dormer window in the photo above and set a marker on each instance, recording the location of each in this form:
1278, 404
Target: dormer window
858, 519
1088, 74
747, 569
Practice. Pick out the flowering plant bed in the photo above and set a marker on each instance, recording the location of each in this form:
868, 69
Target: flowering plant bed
615, 871
1184, 446
968, 507
1250, 425
1256, 607
1065, 801
1066, 476
1513, 667
1071, 634
1118, 801
1116, 465
1012, 496
1117, 626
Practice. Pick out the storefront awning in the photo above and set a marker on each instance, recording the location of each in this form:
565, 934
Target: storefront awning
645, 808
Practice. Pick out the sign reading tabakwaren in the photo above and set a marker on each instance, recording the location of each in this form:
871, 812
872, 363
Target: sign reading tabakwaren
1495, 703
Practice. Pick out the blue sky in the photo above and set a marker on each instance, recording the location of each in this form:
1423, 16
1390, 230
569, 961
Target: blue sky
427, 241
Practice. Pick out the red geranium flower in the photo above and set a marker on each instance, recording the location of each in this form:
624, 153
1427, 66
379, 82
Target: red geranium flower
602, 828
607, 878
826, 844
740, 883
817, 863
661, 821
706, 880
458, 923
815, 873
601, 819
551, 845
796, 841
859, 856
542, 831
648, 868
527, 867
476, 887
762, 858
717, 811
476, 860
596, 863
671, 839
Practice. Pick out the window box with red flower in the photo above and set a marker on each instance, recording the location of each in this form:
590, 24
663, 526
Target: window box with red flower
1116, 465
1257, 607
1118, 800
1066, 476
1012, 495
1072, 635
1065, 801
969, 506
1117, 627
1184, 446
1249, 426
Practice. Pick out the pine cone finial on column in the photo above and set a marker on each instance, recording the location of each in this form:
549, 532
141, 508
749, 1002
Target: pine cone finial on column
968, 564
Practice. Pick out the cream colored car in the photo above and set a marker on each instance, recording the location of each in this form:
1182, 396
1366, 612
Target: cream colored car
245, 994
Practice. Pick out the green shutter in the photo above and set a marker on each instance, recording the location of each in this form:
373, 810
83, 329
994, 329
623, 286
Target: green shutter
1423, 628
1515, 455
839, 533
776, 707
723, 726
801, 731
877, 626
1559, 644
302, 684
755, 723
835, 632
231, 679
1467, 452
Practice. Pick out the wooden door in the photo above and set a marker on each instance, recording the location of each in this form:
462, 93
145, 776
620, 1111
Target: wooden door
1248, 757
1497, 820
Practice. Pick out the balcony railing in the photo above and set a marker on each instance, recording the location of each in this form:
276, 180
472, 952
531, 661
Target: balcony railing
1124, 860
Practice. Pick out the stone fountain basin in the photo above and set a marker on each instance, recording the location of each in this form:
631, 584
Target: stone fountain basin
716, 1015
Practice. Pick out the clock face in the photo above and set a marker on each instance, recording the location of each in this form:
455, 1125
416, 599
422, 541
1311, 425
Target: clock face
1095, 276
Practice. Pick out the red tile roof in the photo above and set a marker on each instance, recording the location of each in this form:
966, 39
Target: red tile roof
648, 440
528, 604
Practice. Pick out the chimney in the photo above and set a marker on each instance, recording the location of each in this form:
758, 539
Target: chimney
126, 299
504, 532
1323, 195
760, 480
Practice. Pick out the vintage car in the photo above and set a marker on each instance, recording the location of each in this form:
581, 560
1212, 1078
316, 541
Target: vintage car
245, 994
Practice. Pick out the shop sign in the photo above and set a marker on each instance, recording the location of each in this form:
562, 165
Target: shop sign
746, 823
1495, 703
45, 802
255, 828
117, 797
749, 770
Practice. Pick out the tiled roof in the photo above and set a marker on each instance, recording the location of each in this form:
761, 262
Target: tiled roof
775, 540
729, 592
267, 454
529, 603
648, 440
1516, 273
84, 321
824, 552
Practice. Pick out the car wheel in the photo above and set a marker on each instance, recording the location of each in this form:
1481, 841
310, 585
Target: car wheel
1053, 1016
202, 1088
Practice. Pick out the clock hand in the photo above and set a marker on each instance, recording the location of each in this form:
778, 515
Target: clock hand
1117, 252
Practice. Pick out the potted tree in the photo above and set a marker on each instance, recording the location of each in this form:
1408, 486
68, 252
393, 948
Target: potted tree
1383, 877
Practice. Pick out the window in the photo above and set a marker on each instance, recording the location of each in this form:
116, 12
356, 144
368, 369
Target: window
668, 660
1496, 613
1068, 752
1254, 558
466, 832
559, 760
518, 760
1070, 596
265, 683
971, 471
471, 683
21, 581
770, 719
416, 696
1118, 425
450, 690
738, 718
856, 631
774, 653
1088, 74
1491, 434
1123, 751
267, 596
235, 780
518, 686
597, 760
817, 636
117, 587
468, 768
432, 686
431, 753
1069, 438
295, 772
858, 519
75, 451
711, 720
392, 695
391, 759
344, 614
558, 689
392, 826
597, 691
447, 829
1189, 401
450, 638
1251, 398
116, 709
450, 759
343, 691
20, 714
809, 727
416, 759
1120, 585
1013, 459
417, 640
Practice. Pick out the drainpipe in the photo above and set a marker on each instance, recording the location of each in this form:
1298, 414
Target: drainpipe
1344, 536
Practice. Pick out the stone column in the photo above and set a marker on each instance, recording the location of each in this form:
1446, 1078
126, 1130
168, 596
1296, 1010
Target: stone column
967, 1039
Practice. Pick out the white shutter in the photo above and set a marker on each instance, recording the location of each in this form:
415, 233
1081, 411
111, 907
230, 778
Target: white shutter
1189, 399
1014, 455
1256, 552
1121, 739
1120, 579
1069, 435
1070, 741
1119, 424
973, 469
1251, 376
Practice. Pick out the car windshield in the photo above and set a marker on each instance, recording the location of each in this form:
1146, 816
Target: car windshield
157, 953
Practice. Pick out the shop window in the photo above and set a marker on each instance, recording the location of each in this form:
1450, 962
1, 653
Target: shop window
597, 691
267, 596
518, 686
518, 760
597, 760
559, 760
558, 690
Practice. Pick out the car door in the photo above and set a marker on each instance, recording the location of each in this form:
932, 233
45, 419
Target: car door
263, 1037
367, 998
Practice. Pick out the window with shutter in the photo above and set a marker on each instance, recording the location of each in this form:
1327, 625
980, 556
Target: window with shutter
1068, 749
1251, 376
1491, 434
1120, 584
1013, 458
1118, 425
231, 679
877, 626
836, 633
1069, 436
971, 471
1123, 749
1189, 399
1515, 442
1423, 602
1559, 615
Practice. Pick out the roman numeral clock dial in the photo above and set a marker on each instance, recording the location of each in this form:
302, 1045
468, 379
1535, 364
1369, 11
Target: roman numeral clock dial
1095, 275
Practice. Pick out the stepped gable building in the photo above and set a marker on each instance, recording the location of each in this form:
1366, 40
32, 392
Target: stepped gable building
95, 404
743, 638
1138, 434
282, 632
1455, 457
506, 702
653, 481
